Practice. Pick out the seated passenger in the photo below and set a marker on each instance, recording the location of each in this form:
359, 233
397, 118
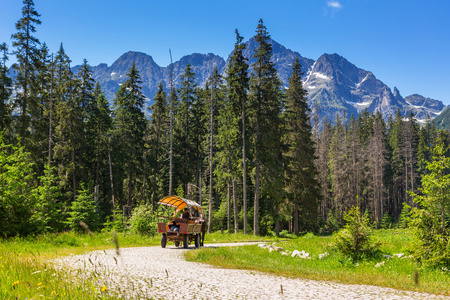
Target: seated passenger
174, 227
185, 214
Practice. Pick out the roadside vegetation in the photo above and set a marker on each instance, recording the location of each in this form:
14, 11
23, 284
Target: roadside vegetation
27, 271
385, 269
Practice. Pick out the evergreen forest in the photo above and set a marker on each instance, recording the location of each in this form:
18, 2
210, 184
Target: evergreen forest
250, 151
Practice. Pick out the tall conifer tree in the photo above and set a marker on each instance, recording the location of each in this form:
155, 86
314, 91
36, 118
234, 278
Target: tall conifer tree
158, 142
184, 137
26, 54
266, 104
129, 129
238, 84
5, 91
301, 183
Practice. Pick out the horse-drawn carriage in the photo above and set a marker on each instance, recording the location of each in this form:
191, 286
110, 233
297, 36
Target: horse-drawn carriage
186, 222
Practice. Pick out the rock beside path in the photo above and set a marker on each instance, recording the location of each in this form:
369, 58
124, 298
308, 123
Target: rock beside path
148, 272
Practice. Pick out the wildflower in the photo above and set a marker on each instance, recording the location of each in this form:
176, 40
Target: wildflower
15, 283
103, 288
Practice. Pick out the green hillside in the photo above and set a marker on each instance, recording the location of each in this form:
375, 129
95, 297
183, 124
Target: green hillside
443, 120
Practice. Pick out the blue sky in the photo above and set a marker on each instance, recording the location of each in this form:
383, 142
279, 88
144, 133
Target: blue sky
404, 43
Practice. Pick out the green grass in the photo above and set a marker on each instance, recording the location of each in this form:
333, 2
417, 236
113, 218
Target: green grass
395, 273
25, 270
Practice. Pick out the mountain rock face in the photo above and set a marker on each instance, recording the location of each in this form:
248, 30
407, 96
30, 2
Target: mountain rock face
332, 82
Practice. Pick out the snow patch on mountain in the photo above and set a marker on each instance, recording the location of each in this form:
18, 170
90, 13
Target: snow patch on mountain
364, 79
321, 76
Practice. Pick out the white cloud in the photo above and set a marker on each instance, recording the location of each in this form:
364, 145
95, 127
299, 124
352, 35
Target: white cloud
334, 4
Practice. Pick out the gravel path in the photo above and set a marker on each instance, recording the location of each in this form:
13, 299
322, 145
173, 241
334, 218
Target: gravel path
149, 272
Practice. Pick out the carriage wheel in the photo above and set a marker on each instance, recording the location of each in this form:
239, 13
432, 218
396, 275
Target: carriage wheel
163, 240
197, 240
185, 241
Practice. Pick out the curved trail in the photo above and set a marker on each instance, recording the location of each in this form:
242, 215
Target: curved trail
147, 272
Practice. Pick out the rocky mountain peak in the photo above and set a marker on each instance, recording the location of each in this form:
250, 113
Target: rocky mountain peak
332, 81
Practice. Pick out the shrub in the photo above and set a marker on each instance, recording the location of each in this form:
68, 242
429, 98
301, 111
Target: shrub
143, 220
116, 221
387, 222
83, 210
354, 239
404, 219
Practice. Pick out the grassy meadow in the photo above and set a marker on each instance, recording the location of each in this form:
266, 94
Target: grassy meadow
26, 270
26, 273
394, 272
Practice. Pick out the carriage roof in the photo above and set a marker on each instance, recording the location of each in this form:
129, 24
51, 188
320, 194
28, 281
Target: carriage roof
180, 203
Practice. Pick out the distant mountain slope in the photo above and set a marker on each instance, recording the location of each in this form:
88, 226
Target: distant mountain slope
442, 121
331, 81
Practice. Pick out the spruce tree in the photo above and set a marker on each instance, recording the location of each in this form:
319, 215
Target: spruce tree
237, 86
5, 91
185, 162
301, 183
26, 54
267, 103
158, 143
69, 127
377, 153
129, 129
98, 125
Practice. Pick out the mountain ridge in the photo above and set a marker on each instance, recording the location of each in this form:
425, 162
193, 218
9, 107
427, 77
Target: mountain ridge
332, 81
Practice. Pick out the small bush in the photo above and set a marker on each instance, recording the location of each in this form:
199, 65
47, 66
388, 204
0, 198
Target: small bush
405, 216
333, 222
143, 220
354, 240
387, 222
83, 211
116, 222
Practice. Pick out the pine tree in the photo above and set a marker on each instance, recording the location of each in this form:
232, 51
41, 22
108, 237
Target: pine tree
17, 191
214, 138
397, 171
69, 128
98, 125
377, 161
266, 101
237, 85
40, 116
5, 91
49, 208
129, 129
185, 163
322, 152
88, 107
301, 184
429, 218
158, 142
26, 55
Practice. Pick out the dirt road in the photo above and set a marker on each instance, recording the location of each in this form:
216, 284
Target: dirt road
164, 274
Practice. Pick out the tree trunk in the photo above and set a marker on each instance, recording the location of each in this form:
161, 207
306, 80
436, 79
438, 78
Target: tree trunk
244, 174
172, 95
111, 178
296, 230
235, 208
256, 205
228, 208
50, 121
